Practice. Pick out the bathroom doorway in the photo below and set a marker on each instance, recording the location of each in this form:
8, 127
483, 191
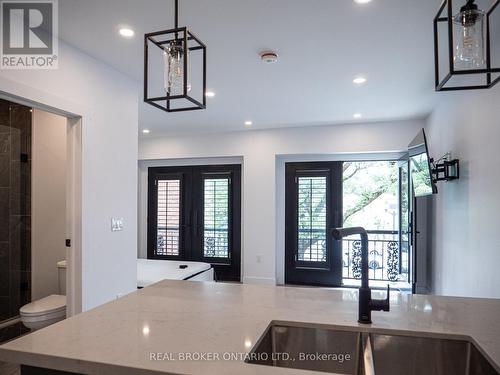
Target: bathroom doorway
39, 209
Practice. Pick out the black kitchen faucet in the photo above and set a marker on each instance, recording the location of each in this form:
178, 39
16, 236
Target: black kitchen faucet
366, 303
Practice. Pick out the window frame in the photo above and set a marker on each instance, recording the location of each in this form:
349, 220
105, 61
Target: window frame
201, 215
326, 265
160, 173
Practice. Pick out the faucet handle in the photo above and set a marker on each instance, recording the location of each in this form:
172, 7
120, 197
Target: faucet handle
381, 304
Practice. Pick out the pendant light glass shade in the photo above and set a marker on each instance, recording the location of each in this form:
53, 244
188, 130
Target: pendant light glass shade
470, 51
173, 60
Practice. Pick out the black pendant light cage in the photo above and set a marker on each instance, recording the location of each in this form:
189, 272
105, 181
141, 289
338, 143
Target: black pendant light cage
445, 16
189, 42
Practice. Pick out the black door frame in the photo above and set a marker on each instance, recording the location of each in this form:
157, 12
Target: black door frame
327, 273
191, 209
404, 162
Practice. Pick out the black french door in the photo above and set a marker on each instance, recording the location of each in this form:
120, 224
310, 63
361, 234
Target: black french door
194, 214
313, 208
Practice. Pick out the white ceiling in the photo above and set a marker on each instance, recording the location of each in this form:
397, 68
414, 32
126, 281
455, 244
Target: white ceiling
322, 45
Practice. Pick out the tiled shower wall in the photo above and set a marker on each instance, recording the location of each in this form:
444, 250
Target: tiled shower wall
15, 208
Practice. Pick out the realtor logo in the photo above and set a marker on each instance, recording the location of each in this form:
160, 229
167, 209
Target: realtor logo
28, 34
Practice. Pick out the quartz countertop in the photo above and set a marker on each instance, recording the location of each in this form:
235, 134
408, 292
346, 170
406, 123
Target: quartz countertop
173, 317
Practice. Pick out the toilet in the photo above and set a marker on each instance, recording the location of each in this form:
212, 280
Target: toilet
49, 310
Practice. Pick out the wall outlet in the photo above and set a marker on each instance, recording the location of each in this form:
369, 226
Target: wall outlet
116, 224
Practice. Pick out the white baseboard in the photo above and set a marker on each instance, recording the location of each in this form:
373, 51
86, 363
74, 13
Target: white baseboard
259, 280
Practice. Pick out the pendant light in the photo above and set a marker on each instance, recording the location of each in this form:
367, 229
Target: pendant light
466, 31
172, 56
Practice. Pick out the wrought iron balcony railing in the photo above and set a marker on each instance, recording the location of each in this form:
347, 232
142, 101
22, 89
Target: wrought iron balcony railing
386, 260
216, 242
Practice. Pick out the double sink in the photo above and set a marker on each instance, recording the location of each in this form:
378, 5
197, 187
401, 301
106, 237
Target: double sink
345, 350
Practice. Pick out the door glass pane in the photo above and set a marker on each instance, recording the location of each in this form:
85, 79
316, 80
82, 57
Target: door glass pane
216, 218
370, 200
311, 219
168, 217
405, 220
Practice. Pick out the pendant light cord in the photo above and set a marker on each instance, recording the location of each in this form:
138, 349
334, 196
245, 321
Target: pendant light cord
176, 11
176, 17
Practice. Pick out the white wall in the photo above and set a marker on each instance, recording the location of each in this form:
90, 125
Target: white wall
48, 203
466, 252
108, 104
260, 151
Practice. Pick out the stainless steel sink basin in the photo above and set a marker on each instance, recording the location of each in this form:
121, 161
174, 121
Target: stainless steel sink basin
346, 351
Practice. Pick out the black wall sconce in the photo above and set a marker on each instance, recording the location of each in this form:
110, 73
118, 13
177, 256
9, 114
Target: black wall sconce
446, 170
176, 47
468, 53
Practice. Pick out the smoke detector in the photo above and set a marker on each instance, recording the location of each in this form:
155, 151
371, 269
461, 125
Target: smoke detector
269, 57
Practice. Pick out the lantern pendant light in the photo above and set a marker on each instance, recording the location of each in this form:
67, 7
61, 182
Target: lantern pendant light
468, 62
177, 47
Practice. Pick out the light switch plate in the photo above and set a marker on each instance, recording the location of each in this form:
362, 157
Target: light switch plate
116, 224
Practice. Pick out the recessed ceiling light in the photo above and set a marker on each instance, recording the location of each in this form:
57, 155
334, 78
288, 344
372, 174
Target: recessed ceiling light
248, 123
362, 1
210, 94
359, 80
145, 131
357, 115
126, 32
